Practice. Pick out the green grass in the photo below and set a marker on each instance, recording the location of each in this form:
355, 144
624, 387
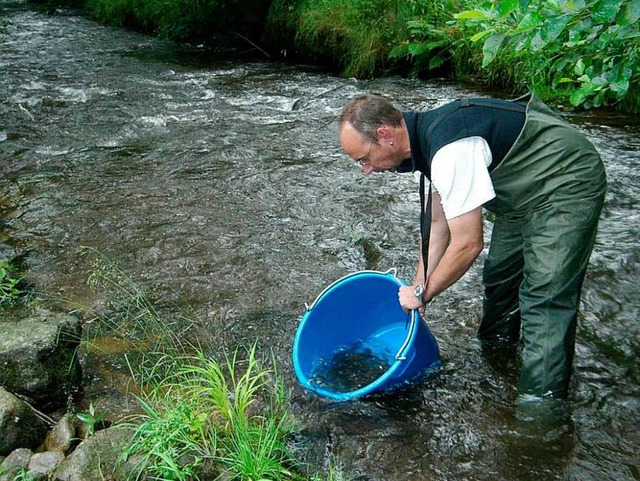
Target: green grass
202, 415
225, 416
10, 290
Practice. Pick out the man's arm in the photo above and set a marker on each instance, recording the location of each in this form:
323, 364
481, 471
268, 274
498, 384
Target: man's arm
438, 240
464, 247
465, 244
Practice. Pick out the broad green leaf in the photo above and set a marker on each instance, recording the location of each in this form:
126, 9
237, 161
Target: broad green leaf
522, 43
508, 6
553, 27
579, 68
578, 97
605, 11
536, 42
530, 21
581, 29
571, 5
481, 35
619, 88
598, 101
599, 82
629, 13
565, 80
491, 47
471, 15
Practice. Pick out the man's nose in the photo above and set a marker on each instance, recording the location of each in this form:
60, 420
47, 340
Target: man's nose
367, 169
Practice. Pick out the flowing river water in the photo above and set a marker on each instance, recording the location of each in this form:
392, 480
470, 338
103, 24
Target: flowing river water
218, 182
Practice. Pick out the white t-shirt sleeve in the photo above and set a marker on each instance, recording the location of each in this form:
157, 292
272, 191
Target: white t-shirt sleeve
459, 172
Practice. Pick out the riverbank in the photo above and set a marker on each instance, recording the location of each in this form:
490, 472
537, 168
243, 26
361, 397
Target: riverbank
582, 55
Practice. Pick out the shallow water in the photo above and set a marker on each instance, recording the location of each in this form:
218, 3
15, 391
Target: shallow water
219, 184
348, 369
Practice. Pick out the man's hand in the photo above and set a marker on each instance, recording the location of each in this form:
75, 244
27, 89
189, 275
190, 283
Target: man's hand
408, 300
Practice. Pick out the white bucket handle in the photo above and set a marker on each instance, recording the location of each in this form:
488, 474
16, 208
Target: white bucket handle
399, 355
393, 271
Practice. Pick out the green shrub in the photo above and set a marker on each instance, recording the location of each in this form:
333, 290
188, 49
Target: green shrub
182, 19
356, 35
588, 48
211, 417
427, 38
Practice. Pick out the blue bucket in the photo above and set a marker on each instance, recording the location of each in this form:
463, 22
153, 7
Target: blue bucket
362, 310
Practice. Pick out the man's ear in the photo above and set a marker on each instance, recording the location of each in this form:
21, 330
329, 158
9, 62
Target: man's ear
384, 133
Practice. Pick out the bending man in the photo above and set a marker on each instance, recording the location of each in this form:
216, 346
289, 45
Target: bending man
544, 181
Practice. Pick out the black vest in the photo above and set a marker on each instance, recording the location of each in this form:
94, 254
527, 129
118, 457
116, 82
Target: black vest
499, 122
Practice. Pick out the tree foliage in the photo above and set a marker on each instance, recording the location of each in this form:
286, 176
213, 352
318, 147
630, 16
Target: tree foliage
589, 47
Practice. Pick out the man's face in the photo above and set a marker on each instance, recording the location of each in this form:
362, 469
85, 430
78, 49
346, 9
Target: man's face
373, 155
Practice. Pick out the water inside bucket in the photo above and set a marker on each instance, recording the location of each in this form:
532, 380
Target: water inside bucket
349, 368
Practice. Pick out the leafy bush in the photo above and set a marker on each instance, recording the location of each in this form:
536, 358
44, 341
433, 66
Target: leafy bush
182, 19
354, 34
210, 416
588, 47
427, 37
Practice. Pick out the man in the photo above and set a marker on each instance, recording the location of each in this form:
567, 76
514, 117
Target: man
545, 183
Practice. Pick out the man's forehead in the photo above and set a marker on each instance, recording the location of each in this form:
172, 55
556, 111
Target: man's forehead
349, 136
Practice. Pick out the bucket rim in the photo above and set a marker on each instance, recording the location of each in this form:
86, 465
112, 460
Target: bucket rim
389, 273
399, 358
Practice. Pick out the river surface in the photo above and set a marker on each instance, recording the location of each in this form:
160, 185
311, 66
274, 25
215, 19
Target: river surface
218, 183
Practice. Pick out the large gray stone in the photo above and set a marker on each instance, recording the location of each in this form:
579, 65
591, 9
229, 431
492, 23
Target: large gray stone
15, 463
41, 465
97, 457
19, 425
63, 436
37, 357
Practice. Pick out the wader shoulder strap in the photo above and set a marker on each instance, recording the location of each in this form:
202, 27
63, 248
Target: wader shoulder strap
425, 226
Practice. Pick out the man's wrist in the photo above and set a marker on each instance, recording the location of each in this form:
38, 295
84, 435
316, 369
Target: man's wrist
419, 292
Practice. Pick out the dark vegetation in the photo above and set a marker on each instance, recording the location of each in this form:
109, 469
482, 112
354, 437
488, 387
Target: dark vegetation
585, 53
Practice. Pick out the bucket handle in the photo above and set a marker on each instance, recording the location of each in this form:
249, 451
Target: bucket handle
400, 356
392, 271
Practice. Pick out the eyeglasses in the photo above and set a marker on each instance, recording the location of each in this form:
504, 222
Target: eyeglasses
364, 160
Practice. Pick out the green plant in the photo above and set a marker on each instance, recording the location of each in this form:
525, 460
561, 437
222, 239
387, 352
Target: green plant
91, 419
9, 291
23, 475
426, 38
170, 433
200, 417
231, 415
590, 47
334, 471
129, 312
355, 35
253, 441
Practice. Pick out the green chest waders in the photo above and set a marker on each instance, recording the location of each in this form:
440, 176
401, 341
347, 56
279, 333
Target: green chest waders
549, 193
